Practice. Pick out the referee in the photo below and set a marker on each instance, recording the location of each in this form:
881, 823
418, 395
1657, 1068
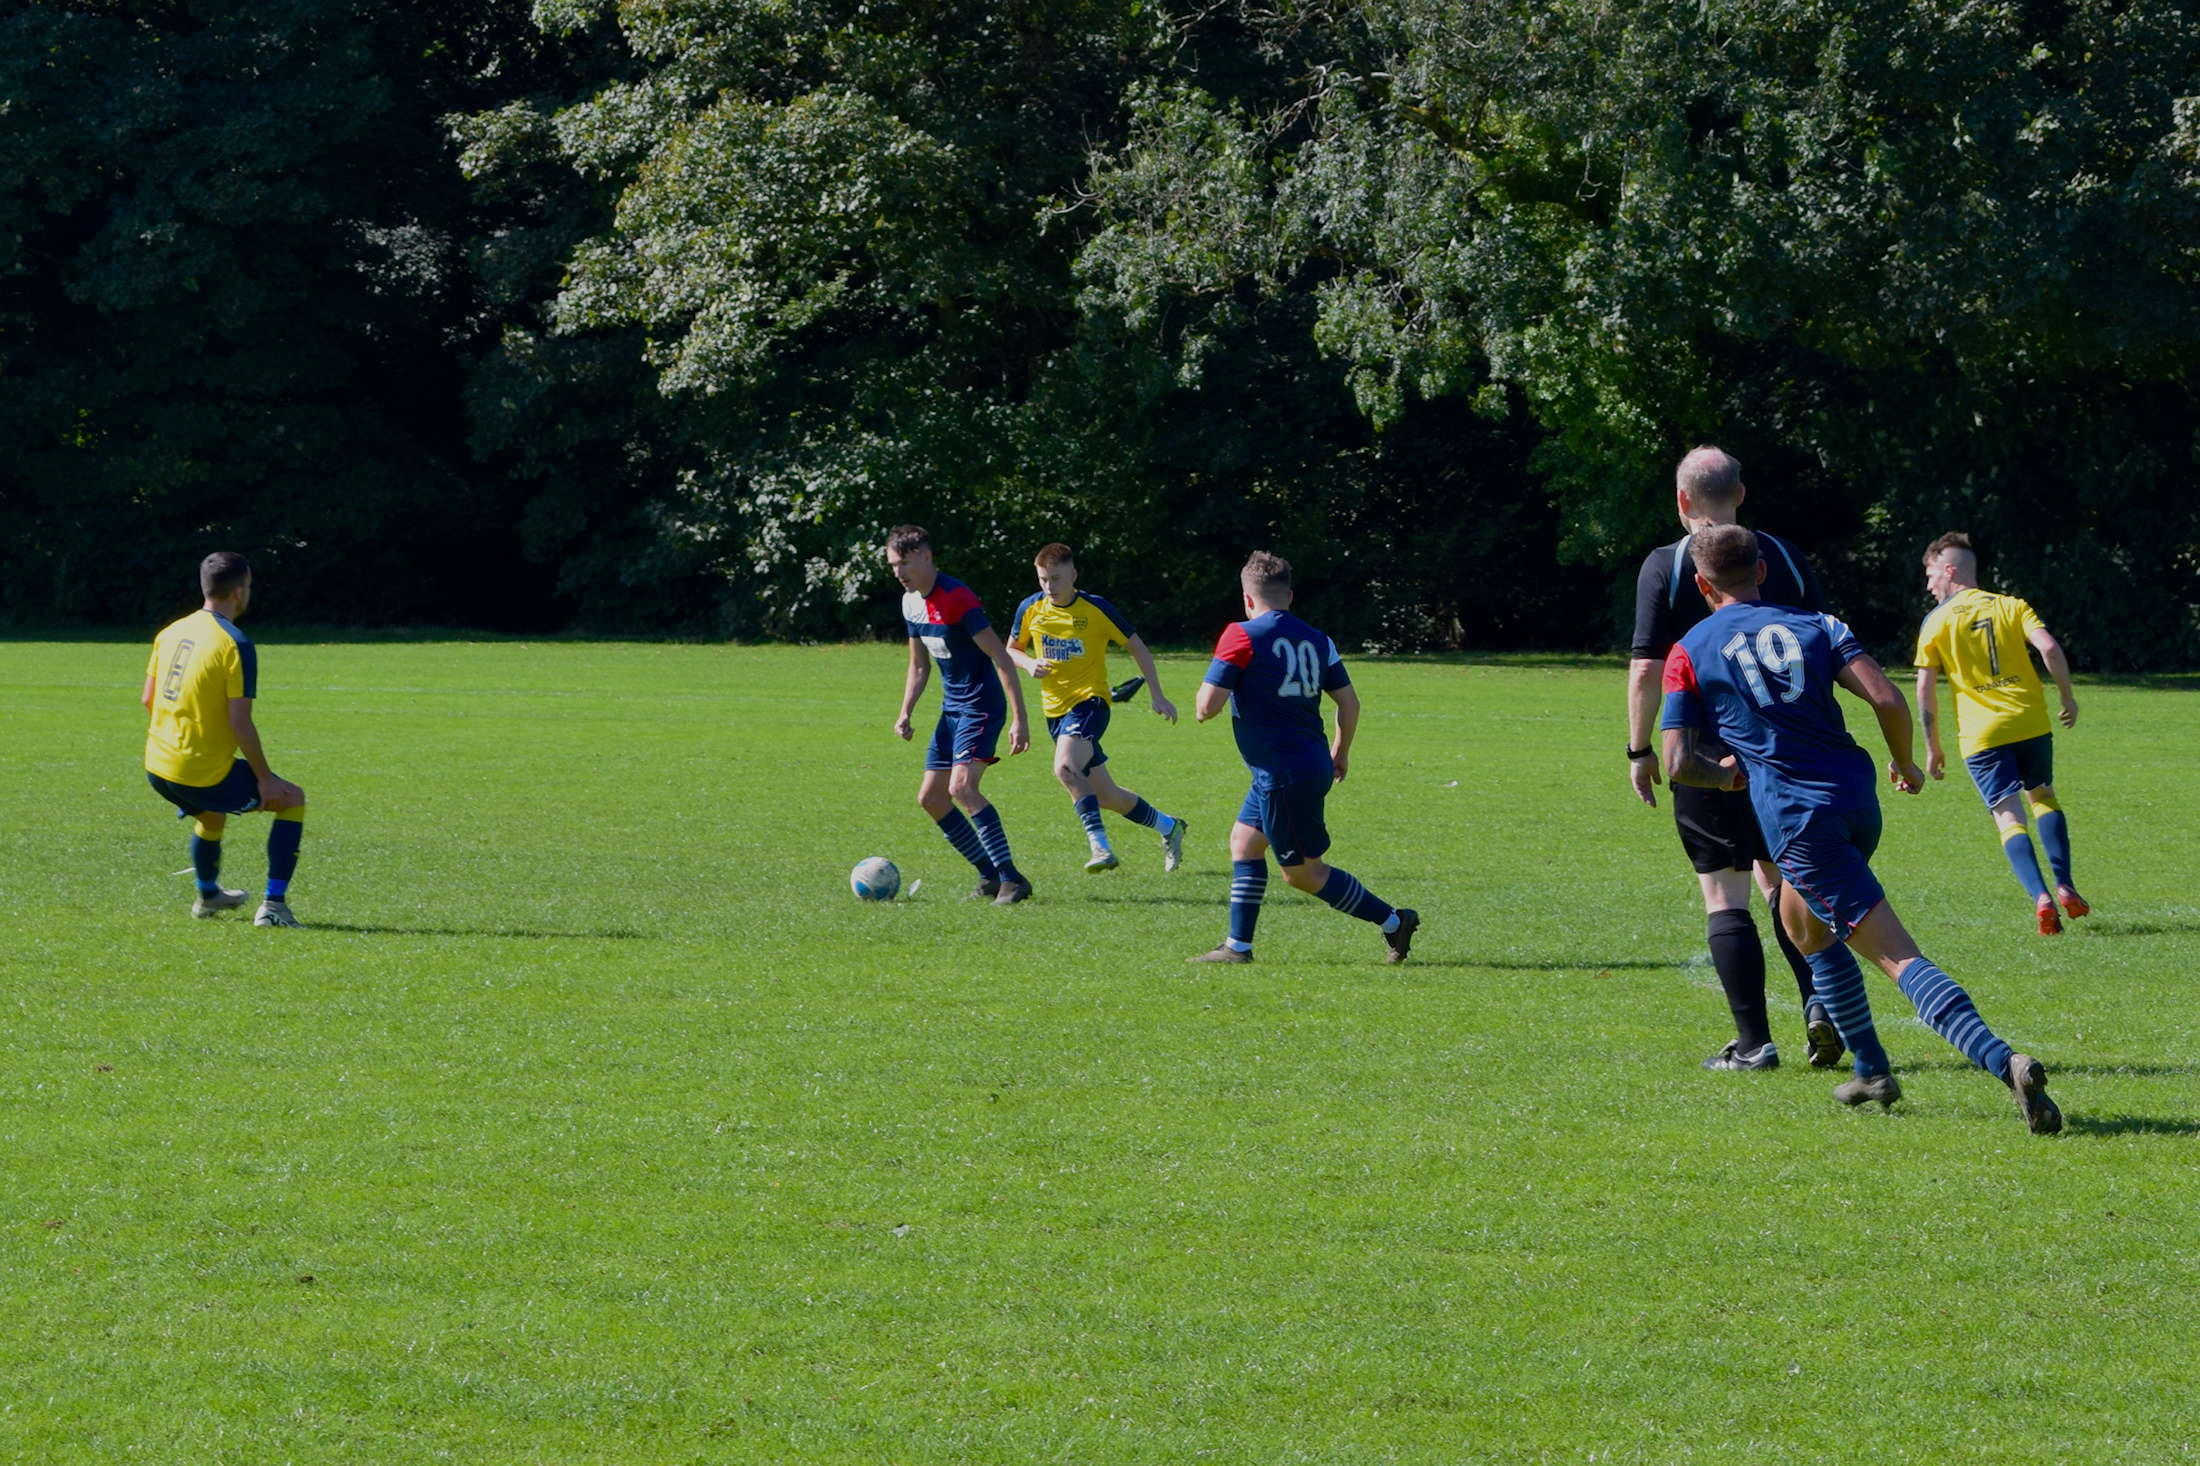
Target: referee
1719, 829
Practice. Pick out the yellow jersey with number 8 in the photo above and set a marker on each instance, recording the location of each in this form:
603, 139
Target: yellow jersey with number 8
1979, 642
198, 665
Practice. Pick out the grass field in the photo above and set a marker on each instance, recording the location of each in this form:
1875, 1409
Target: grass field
594, 1121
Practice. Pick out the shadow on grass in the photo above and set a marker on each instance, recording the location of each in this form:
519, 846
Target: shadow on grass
1952, 1065
1556, 964
526, 933
2127, 1125
1209, 901
2136, 926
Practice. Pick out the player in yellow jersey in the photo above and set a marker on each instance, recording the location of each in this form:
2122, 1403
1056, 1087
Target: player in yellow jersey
1979, 640
199, 687
1061, 636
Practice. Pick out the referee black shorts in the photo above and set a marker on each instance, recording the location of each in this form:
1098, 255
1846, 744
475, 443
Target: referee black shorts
1718, 828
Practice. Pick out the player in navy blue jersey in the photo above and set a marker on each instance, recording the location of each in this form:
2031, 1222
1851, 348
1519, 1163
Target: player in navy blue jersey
1760, 678
978, 689
1271, 670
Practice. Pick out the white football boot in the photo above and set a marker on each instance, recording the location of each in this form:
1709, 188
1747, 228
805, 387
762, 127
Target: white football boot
1172, 847
1102, 859
223, 899
274, 913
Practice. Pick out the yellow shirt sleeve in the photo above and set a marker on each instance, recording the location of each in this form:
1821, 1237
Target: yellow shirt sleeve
232, 667
1928, 641
2028, 620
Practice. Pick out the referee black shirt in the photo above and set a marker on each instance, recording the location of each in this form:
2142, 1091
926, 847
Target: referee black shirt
1668, 605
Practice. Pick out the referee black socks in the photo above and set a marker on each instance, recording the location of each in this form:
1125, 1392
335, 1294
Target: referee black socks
1740, 960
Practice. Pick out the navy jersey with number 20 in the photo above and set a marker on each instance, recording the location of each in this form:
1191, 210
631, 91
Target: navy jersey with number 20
1276, 668
1761, 678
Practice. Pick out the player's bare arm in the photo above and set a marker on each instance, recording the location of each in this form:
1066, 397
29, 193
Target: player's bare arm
912, 688
1347, 699
1928, 713
1209, 701
1865, 678
1019, 724
1136, 646
1642, 717
1686, 764
275, 792
146, 699
2058, 667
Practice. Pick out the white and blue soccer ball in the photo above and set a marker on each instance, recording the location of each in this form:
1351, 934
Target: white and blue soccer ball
875, 879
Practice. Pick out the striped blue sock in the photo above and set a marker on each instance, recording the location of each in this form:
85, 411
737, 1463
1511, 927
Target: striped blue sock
206, 861
1248, 884
1354, 899
967, 845
2018, 847
1840, 986
2055, 838
283, 839
995, 840
1947, 1009
1088, 810
1145, 814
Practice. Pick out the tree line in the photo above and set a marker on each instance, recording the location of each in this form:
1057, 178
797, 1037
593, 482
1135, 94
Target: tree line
650, 317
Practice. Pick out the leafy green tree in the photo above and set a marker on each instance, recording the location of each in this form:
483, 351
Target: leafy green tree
1922, 266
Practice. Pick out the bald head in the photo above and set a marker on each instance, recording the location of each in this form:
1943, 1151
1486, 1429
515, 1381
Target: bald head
1708, 487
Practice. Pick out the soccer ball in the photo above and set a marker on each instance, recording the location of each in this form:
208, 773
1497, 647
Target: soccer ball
875, 879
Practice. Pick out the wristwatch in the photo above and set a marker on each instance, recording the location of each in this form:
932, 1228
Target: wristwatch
1636, 753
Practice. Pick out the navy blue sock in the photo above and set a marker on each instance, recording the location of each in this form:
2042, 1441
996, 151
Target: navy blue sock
282, 856
1354, 899
1840, 984
2055, 837
1947, 1009
1088, 810
206, 860
1248, 884
995, 840
966, 842
1145, 814
2018, 847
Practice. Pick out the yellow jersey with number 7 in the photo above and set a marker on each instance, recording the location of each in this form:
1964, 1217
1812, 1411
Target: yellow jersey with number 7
1979, 642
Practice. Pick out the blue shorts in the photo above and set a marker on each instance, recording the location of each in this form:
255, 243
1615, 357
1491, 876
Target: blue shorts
965, 736
2000, 772
1088, 720
1290, 815
1829, 865
238, 793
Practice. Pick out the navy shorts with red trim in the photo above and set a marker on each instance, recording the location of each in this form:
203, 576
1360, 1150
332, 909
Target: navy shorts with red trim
237, 793
1290, 815
1829, 864
966, 736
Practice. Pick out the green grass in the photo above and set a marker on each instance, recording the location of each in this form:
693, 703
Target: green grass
608, 1127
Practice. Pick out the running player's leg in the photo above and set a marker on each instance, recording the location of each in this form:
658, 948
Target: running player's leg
283, 839
1829, 887
2054, 830
1997, 773
962, 786
1296, 827
1947, 1009
1131, 806
934, 795
1821, 1039
1718, 830
1739, 959
1248, 885
1073, 766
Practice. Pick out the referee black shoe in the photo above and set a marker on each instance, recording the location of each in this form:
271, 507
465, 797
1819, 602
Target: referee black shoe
1764, 1056
1821, 1038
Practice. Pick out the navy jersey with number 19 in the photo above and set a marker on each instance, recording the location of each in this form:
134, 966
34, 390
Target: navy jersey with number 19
1276, 668
1761, 677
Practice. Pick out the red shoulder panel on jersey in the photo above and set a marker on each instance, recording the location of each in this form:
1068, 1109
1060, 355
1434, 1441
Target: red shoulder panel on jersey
1680, 673
949, 606
1235, 647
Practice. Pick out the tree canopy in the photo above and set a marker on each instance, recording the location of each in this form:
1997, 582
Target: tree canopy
653, 316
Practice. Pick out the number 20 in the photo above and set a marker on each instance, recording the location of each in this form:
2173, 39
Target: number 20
1302, 668
1778, 652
